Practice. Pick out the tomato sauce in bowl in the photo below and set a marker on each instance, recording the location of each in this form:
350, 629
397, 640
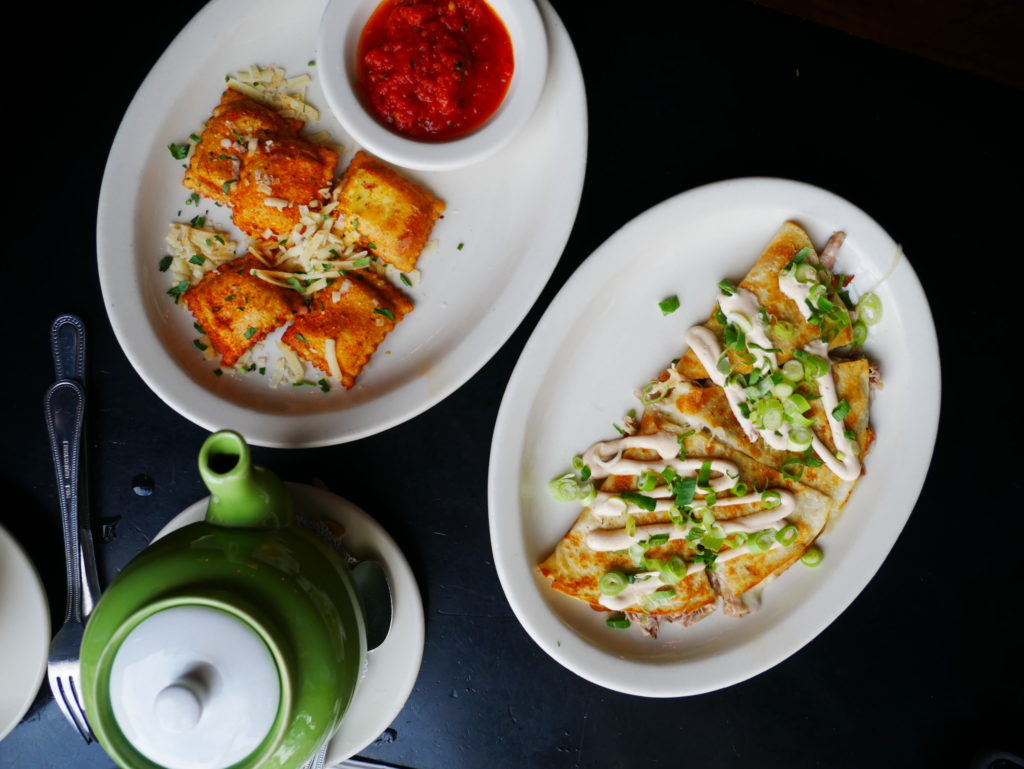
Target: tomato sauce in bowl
434, 70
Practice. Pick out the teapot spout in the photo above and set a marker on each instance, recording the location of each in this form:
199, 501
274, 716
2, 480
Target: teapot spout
241, 494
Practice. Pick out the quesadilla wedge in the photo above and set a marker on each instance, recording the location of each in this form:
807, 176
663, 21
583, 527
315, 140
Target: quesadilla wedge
690, 405
678, 514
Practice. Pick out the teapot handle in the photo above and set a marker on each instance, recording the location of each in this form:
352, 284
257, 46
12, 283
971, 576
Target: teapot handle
241, 494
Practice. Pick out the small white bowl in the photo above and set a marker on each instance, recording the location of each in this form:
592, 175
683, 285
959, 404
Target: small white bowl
337, 47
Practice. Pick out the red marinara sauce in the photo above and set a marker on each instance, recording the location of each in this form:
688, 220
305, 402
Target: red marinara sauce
434, 69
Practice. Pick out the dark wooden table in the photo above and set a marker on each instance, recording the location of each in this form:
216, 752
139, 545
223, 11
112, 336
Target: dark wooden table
923, 669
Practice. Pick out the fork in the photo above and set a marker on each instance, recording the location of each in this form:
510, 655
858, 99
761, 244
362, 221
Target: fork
65, 409
317, 761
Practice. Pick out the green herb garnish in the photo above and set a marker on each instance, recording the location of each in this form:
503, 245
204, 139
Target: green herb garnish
670, 305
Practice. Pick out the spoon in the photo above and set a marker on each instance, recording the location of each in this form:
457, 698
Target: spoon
375, 592
370, 581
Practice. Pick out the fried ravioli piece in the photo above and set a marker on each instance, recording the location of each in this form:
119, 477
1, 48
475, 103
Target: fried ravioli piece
763, 282
353, 314
215, 164
277, 177
391, 215
236, 309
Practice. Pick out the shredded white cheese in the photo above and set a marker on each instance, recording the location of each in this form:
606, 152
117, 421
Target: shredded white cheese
196, 251
330, 352
269, 86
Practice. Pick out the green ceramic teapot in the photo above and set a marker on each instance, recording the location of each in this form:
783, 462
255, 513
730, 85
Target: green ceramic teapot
234, 642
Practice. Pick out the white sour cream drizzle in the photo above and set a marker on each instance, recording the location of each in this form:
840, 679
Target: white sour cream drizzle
797, 291
608, 540
705, 346
605, 458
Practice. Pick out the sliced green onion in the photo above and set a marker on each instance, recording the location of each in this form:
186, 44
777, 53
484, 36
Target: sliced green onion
841, 410
564, 488
815, 366
612, 583
784, 329
795, 474
644, 503
618, 621
793, 370
761, 541
770, 499
724, 365
707, 518
742, 322
787, 535
630, 526
782, 390
740, 489
806, 273
812, 556
704, 475
648, 480
684, 489
647, 398
869, 309
674, 569
736, 539
816, 294
587, 494
727, 288
773, 414
797, 404
800, 439
860, 333
713, 543
658, 597
636, 553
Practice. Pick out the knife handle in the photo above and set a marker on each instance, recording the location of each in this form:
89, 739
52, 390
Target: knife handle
67, 341
64, 406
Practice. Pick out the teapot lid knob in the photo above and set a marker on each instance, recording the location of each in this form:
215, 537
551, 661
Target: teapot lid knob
179, 706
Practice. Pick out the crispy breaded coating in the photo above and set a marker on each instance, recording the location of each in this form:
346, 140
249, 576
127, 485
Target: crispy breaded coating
213, 169
352, 312
236, 309
392, 216
276, 178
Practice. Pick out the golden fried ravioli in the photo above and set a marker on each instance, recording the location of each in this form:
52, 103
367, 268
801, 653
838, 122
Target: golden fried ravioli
277, 177
214, 168
355, 314
236, 309
391, 215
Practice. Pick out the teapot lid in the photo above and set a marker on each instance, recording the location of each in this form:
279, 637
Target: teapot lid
195, 687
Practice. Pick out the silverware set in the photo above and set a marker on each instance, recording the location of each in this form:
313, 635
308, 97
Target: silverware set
65, 422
